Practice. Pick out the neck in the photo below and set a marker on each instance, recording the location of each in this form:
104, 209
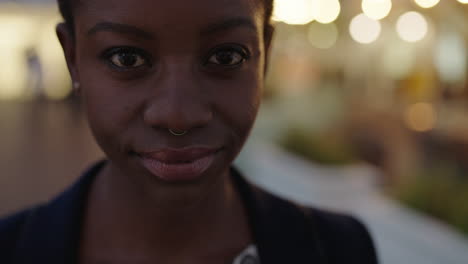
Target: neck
169, 218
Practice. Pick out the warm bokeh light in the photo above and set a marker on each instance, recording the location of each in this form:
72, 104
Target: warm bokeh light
300, 12
421, 117
326, 11
412, 26
376, 9
427, 3
364, 29
398, 60
294, 12
463, 1
323, 36
451, 57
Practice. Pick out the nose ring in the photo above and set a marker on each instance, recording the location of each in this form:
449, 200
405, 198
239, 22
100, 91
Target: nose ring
181, 133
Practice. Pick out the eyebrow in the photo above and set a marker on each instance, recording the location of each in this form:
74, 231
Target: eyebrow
229, 24
119, 28
224, 25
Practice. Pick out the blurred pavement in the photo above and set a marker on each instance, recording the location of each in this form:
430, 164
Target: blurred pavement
402, 235
44, 147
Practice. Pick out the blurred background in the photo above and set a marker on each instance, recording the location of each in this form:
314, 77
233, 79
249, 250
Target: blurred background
365, 111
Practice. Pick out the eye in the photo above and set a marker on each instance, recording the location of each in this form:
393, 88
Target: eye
229, 56
126, 58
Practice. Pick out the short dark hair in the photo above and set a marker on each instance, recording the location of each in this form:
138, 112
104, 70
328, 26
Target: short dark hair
66, 10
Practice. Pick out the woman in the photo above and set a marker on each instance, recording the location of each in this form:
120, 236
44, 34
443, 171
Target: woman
171, 90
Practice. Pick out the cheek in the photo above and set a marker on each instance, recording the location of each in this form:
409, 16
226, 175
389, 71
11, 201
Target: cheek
238, 103
109, 111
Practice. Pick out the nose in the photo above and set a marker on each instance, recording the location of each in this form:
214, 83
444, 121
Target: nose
177, 102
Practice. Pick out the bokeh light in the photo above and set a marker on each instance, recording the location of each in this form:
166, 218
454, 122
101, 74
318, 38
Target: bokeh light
427, 3
451, 57
326, 11
364, 29
294, 12
398, 60
463, 1
420, 117
376, 9
412, 26
322, 36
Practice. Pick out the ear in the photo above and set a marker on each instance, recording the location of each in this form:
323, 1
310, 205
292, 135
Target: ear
67, 40
268, 35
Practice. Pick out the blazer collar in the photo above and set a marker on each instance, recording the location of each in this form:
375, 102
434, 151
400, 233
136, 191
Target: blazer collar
280, 229
283, 231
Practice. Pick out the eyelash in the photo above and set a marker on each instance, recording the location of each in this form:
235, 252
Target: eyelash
235, 49
230, 47
108, 54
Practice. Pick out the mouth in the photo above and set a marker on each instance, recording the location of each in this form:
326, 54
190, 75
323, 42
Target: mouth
178, 164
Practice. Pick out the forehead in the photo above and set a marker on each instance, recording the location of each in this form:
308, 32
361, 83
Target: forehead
177, 15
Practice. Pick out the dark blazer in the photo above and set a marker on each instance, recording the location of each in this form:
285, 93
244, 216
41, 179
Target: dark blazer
283, 232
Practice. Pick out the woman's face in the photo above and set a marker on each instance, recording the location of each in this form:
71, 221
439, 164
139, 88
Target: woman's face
147, 66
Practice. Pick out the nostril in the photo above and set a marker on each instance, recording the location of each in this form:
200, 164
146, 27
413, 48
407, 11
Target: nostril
177, 118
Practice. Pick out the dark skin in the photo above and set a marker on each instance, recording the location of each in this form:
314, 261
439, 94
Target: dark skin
145, 66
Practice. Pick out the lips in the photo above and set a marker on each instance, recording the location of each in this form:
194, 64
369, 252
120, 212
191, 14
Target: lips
178, 164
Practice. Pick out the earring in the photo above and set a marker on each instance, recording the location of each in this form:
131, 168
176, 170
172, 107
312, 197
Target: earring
76, 85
